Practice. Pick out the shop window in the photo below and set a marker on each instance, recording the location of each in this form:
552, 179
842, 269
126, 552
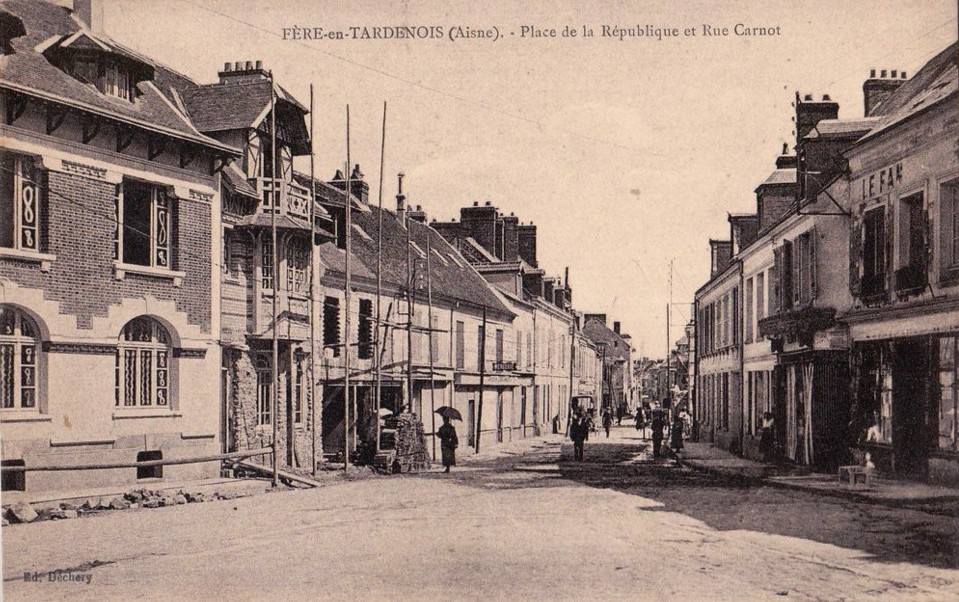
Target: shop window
149, 472
948, 393
20, 203
911, 274
143, 365
874, 253
19, 361
144, 225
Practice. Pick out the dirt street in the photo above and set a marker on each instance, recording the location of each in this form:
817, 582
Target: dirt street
525, 522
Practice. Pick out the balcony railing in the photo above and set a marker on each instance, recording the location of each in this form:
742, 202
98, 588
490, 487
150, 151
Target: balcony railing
294, 200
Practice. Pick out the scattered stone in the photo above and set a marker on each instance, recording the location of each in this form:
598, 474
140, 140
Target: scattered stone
70, 513
22, 512
167, 501
179, 499
152, 503
196, 496
119, 503
53, 513
67, 506
5, 522
91, 503
134, 496
134, 506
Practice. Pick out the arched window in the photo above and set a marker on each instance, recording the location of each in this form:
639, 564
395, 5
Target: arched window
143, 365
19, 360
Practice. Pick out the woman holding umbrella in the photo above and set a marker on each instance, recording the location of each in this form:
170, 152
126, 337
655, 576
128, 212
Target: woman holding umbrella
447, 436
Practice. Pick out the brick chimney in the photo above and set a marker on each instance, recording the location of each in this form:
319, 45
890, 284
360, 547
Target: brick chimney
785, 160
358, 185
418, 215
526, 241
809, 112
721, 253
242, 72
479, 222
877, 89
90, 13
510, 238
616, 327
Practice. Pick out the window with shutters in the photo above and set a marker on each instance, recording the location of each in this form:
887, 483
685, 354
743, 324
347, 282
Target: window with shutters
873, 281
365, 330
499, 344
480, 347
911, 268
787, 275
804, 269
748, 319
331, 324
459, 336
760, 296
21, 203
949, 231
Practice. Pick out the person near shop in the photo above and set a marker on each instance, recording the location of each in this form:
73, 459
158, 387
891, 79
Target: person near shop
448, 443
640, 420
767, 438
607, 422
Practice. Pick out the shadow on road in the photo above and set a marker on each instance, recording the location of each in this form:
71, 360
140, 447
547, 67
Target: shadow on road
625, 465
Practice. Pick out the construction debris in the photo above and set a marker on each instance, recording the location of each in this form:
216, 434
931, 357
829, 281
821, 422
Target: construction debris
411, 452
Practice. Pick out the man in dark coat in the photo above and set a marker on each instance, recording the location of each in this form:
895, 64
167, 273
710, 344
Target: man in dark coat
578, 432
658, 424
448, 443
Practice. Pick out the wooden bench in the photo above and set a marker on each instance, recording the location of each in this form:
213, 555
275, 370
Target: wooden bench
855, 476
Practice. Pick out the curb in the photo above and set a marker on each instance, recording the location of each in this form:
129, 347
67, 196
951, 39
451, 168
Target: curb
837, 493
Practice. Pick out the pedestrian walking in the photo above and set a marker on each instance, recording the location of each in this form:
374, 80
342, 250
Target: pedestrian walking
640, 421
448, 443
657, 435
579, 433
607, 422
676, 435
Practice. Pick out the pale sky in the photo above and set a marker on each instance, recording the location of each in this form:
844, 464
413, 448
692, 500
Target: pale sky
626, 154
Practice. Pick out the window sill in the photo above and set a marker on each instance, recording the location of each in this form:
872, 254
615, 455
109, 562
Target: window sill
44, 259
121, 269
151, 413
24, 416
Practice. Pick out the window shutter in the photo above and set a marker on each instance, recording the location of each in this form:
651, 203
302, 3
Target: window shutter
775, 280
813, 258
886, 232
926, 242
855, 256
792, 279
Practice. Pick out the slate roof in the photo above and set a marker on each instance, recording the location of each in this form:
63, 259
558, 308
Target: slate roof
450, 280
30, 72
937, 81
780, 176
832, 128
597, 332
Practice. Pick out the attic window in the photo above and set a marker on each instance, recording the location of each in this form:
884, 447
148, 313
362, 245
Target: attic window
107, 75
440, 257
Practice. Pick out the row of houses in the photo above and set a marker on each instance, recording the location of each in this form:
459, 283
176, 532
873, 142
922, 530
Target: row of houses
166, 275
835, 305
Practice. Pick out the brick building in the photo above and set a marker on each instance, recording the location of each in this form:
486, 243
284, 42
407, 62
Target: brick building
109, 320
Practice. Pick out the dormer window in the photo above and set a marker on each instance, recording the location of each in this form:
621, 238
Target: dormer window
108, 76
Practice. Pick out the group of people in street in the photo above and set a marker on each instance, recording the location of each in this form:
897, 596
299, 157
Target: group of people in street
658, 421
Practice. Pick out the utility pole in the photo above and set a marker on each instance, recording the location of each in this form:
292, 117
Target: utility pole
312, 309
669, 386
347, 398
274, 373
572, 359
482, 380
429, 302
377, 357
409, 309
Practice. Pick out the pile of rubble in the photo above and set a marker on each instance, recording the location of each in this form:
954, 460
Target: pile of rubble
23, 512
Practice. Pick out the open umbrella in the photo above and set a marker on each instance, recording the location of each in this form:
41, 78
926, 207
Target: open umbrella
448, 412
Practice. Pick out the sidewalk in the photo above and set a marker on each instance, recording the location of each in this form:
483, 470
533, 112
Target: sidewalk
708, 458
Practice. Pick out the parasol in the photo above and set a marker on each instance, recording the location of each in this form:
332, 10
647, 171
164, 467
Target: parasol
448, 412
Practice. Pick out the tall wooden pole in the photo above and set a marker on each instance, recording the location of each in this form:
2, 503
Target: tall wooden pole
275, 201
429, 301
378, 357
409, 312
572, 359
348, 298
312, 316
482, 380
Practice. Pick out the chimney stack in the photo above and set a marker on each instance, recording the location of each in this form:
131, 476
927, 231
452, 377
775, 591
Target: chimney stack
876, 90
242, 72
358, 186
90, 12
809, 112
616, 327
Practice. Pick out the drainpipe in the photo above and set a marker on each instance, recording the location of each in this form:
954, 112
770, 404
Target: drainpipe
742, 357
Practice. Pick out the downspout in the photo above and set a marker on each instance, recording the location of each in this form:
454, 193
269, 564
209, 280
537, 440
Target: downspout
742, 357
